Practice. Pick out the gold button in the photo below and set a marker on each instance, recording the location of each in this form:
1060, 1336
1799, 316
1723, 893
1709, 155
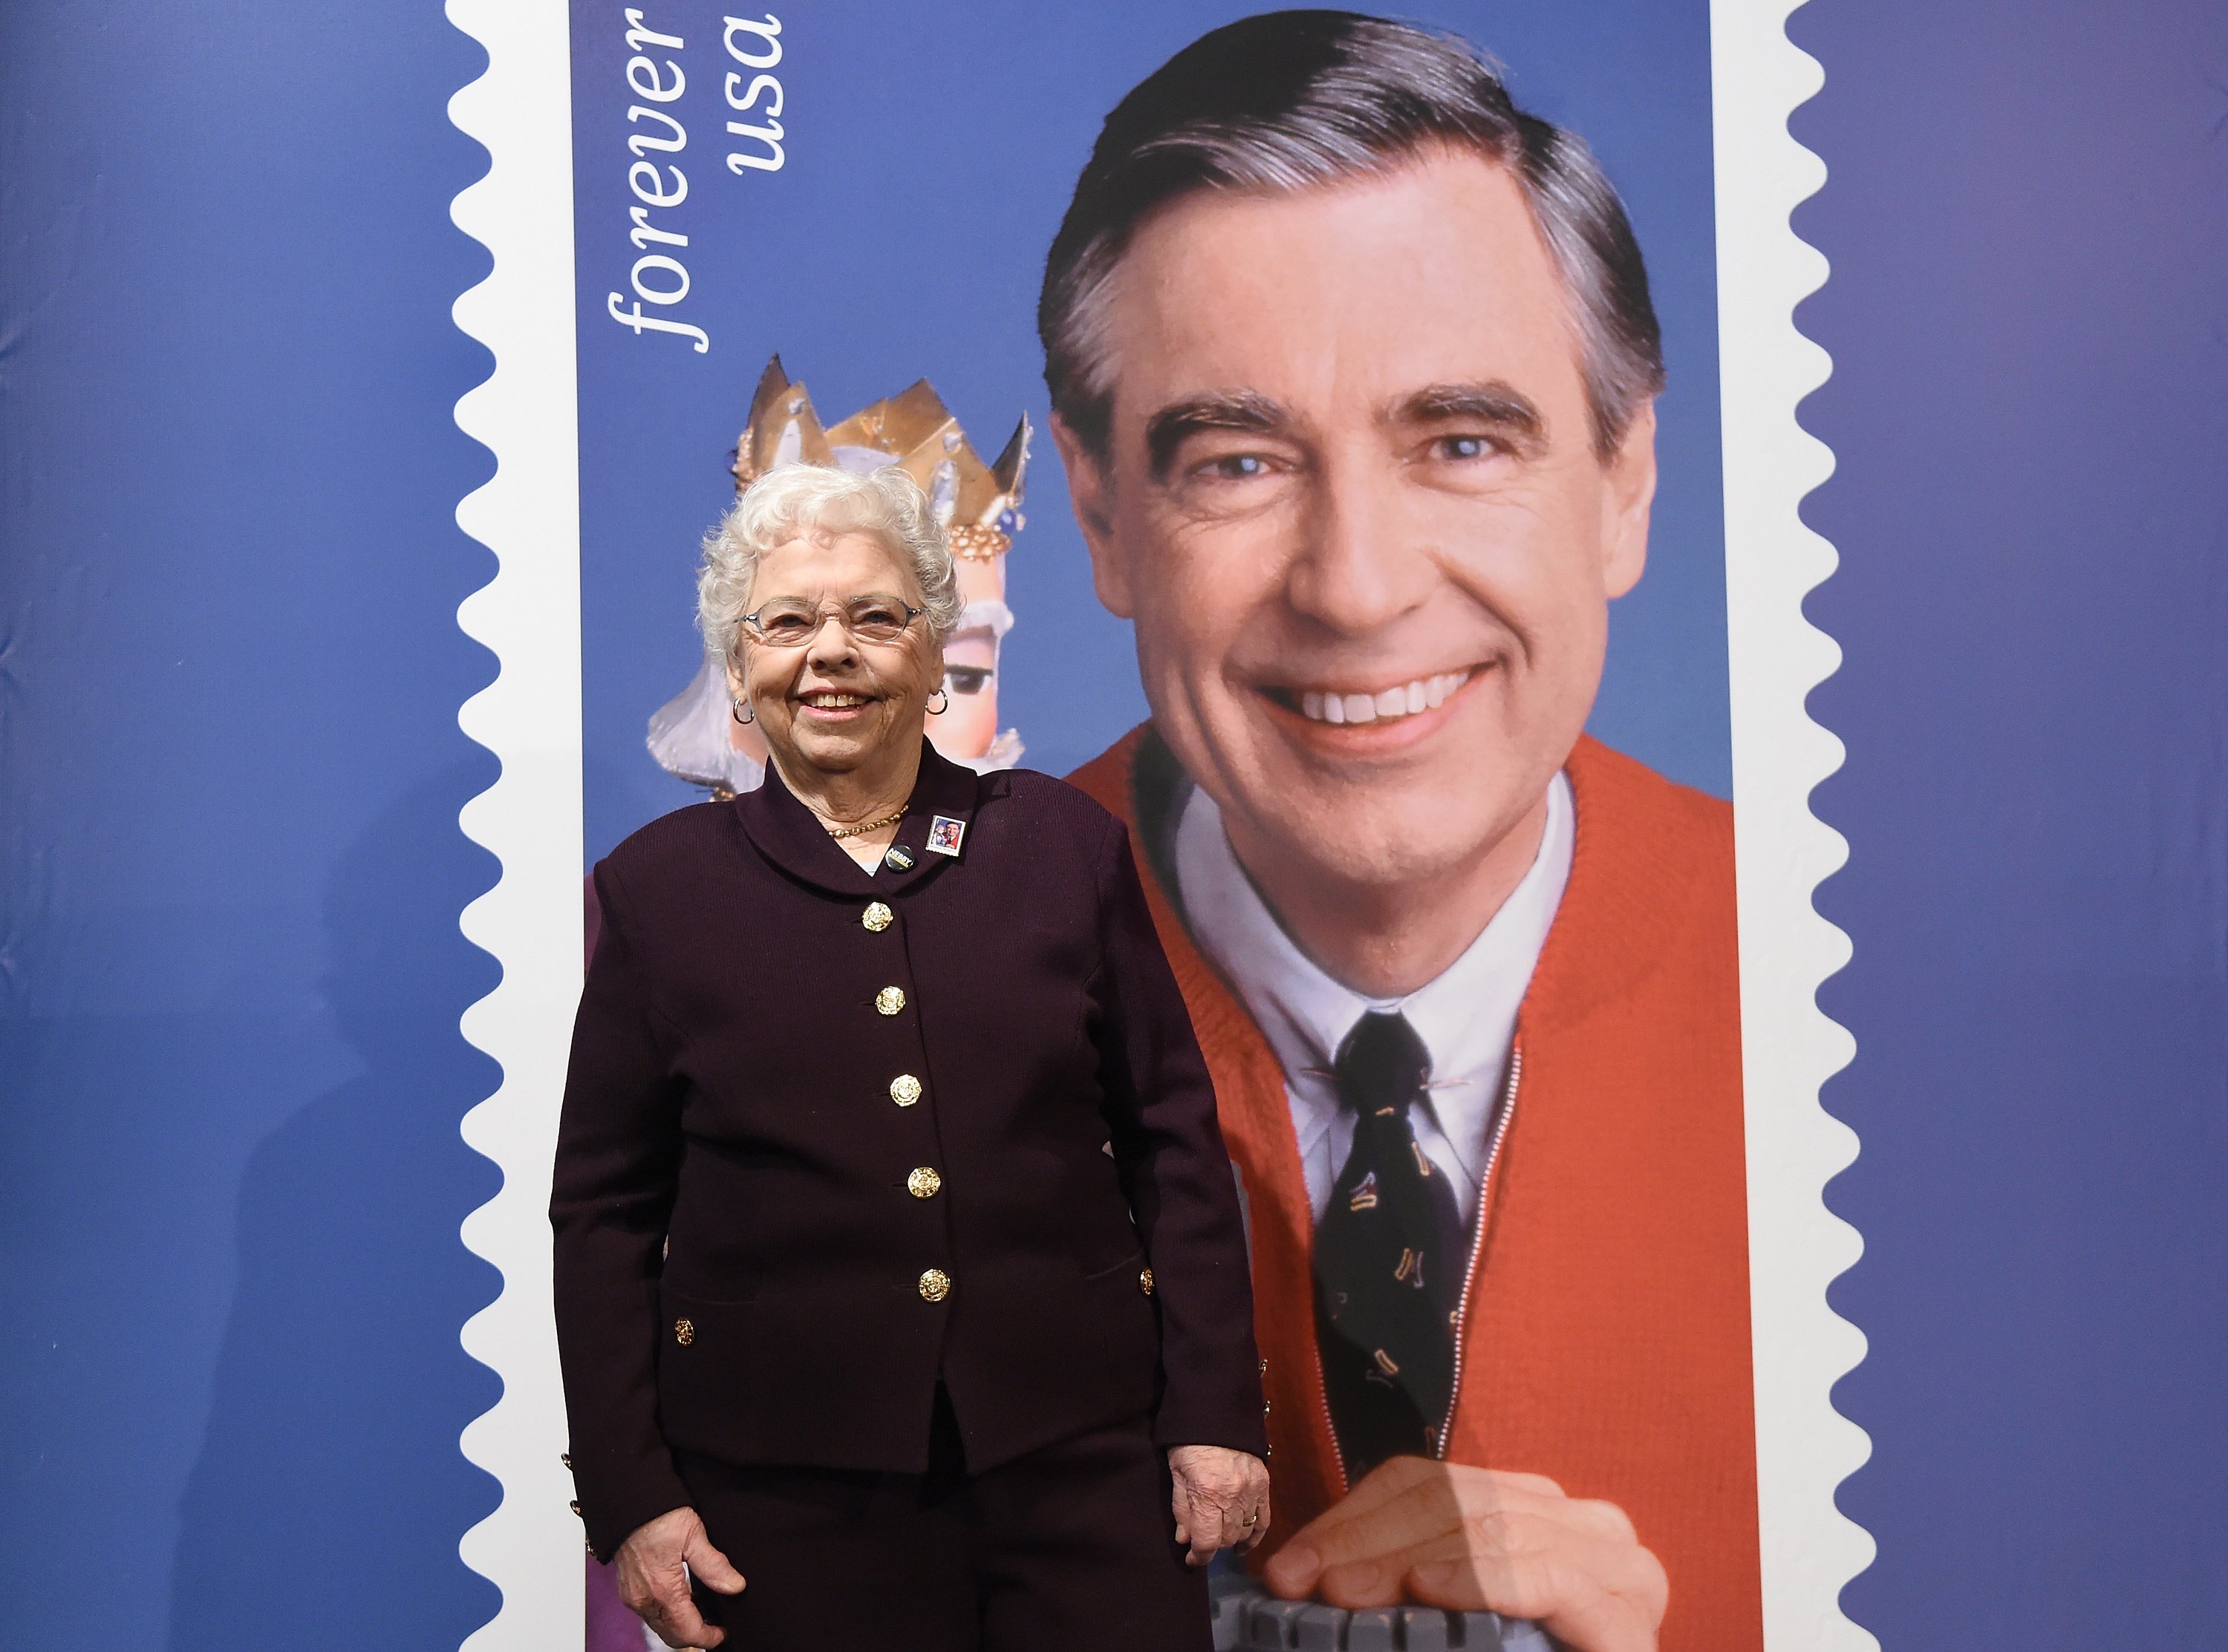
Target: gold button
1265, 1367
890, 999
566, 1459
905, 1089
683, 1332
923, 1183
876, 917
935, 1285
575, 1507
1145, 1282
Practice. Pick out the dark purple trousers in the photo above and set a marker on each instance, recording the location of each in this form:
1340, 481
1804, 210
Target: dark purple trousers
1072, 1546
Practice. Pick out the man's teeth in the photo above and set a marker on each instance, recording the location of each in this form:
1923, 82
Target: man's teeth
1404, 701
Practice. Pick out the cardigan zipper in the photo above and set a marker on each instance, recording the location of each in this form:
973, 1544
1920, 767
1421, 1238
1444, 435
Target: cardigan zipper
1330, 1428
1470, 1277
1477, 1244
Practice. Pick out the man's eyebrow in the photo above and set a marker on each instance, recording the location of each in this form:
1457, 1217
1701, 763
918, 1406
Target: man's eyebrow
1237, 409
1508, 410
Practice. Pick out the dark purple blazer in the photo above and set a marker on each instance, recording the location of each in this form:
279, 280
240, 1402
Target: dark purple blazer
800, 1093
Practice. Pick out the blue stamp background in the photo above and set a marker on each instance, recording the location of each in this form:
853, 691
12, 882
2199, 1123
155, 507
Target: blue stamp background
928, 158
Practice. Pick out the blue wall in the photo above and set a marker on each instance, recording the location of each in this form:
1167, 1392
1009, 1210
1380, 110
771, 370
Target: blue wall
230, 1181
230, 972
2027, 219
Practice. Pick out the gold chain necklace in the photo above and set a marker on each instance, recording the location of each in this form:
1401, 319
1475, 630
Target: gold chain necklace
862, 831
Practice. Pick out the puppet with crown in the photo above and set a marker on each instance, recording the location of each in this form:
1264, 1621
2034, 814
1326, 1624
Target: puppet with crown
692, 735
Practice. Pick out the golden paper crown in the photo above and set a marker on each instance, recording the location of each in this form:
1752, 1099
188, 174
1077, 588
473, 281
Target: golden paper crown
979, 505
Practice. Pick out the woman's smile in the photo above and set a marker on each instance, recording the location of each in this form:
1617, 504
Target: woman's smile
835, 705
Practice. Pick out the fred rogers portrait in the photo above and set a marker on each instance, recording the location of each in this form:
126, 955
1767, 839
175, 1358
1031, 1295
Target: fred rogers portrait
1353, 368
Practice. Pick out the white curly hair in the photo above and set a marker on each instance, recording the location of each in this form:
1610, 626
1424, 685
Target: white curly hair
793, 499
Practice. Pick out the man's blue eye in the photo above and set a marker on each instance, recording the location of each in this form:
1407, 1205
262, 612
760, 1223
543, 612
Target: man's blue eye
1241, 465
1465, 447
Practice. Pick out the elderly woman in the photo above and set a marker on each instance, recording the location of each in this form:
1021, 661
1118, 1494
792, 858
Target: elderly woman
693, 738
899, 1263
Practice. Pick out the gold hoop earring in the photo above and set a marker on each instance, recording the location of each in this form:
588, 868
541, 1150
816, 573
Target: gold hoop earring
938, 711
737, 713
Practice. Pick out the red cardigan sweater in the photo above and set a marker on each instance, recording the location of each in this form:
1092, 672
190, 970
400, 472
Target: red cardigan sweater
1607, 1339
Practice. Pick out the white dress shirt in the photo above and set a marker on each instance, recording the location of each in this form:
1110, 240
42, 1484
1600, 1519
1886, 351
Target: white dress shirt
1466, 1016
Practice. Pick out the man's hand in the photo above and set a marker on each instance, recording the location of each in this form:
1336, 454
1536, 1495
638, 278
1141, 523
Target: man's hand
1221, 1499
1479, 1539
654, 1565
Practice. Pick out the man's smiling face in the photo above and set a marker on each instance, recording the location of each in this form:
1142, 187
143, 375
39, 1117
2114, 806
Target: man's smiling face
1351, 499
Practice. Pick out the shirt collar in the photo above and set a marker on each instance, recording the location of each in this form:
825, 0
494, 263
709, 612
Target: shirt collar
790, 835
1466, 1016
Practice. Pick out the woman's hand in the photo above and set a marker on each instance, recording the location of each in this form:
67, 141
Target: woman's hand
1478, 1539
654, 1565
1221, 1499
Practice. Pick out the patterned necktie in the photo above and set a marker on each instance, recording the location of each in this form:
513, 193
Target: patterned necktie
1389, 1259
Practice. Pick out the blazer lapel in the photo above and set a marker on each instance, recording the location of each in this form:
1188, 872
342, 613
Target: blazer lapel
783, 830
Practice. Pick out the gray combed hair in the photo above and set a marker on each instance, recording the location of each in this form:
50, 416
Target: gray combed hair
1295, 99
793, 499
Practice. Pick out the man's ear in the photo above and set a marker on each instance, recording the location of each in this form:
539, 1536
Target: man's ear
1091, 491
1626, 503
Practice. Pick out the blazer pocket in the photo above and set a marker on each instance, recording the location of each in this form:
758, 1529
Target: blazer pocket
1111, 1329
699, 1330
689, 1287
704, 1372
1134, 1263
709, 1272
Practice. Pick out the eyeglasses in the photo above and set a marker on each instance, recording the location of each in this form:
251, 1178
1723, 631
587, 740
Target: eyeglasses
791, 622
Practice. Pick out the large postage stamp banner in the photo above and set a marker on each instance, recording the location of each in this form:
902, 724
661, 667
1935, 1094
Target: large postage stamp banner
1341, 520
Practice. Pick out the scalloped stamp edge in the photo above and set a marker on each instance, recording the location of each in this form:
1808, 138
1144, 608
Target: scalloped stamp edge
1789, 1047
528, 513
530, 819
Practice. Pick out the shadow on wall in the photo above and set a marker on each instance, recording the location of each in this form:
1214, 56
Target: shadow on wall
329, 1492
